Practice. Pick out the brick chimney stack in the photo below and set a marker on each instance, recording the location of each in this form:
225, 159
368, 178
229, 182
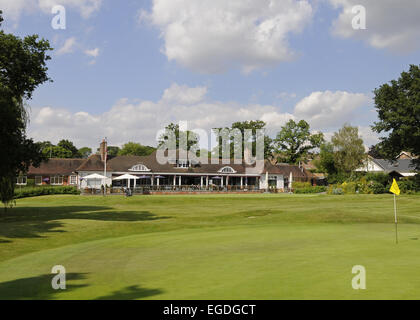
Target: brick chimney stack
103, 149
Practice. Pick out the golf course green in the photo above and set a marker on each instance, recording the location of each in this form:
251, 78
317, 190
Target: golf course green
264, 246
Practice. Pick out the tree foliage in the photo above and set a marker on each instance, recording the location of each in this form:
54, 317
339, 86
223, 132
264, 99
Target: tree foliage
349, 151
113, 152
398, 107
191, 138
57, 152
375, 152
22, 70
295, 141
255, 126
85, 152
69, 146
135, 149
326, 161
65, 149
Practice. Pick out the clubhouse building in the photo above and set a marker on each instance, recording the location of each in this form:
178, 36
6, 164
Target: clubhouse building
177, 175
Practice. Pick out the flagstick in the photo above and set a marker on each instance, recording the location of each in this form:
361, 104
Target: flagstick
396, 220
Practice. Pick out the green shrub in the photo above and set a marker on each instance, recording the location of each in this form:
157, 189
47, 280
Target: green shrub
43, 191
363, 188
349, 187
301, 185
311, 190
406, 186
379, 177
378, 188
337, 178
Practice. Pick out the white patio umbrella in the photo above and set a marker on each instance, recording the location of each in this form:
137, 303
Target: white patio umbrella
94, 176
127, 177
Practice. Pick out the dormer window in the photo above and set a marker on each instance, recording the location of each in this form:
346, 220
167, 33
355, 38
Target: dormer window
140, 168
227, 170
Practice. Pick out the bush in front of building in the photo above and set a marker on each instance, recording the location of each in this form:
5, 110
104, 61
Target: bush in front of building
379, 177
310, 190
378, 188
360, 187
29, 192
409, 185
30, 183
301, 185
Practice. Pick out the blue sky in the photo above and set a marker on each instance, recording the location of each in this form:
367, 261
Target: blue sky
130, 68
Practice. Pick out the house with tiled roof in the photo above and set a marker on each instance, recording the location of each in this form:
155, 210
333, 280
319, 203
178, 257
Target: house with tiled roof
54, 172
401, 167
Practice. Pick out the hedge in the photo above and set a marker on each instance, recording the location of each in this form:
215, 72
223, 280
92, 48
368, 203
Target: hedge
301, 185
43, 191
309, 190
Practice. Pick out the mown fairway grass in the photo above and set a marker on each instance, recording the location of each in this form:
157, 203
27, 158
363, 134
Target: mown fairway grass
210, 247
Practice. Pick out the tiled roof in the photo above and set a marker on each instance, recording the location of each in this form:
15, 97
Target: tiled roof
56, 166
125, 163
286, 169
401, 165
94, 163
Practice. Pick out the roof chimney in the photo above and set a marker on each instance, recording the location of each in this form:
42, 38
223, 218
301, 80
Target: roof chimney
103, 149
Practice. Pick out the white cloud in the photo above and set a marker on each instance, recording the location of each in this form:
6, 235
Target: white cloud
129, 121
13, 9
326, 109
85, 7
211, 36
94, 53
68, 46
369, 137
184, 94
391, 24
140, 121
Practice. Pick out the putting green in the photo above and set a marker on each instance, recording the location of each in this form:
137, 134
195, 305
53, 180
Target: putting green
210, 247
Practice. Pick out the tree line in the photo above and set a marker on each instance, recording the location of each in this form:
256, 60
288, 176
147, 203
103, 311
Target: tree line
66, 149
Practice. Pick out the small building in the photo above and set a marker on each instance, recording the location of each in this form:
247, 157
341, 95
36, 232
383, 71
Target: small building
401, 167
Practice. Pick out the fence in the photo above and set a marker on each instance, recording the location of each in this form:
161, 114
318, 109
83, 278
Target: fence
173, 189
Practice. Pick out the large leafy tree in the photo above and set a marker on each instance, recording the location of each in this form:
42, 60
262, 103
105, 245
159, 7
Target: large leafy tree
254, 126
326, 162
295, 141
64, 150
85, 152
349, 151
113, 151
69, 146
22, 69
191, 138
375, 152
398, 107
57, 152
135, 149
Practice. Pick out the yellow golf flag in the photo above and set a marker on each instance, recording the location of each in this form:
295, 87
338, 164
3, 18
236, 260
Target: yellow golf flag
395, 189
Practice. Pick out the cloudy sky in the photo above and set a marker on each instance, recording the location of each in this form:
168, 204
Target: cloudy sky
125, 69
